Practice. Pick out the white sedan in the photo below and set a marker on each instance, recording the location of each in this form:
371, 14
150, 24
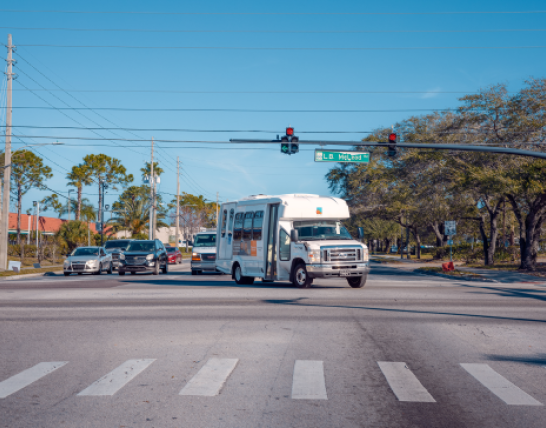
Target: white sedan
93, 260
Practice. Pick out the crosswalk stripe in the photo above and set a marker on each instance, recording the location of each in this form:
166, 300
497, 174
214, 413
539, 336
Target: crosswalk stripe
308, 381
500, 386
28, 376
210, 378
117, 378
404, 383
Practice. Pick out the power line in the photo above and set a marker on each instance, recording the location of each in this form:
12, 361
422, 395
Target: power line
234, 110
276, 13
191, 130
144, 30
168, 91
411, 48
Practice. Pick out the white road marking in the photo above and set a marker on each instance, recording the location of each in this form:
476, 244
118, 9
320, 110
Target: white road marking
25, 378
210, 378
500, 386
404, 383
117, 378
308, 381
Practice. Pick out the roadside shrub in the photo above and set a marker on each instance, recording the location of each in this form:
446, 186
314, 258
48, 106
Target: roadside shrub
139, 236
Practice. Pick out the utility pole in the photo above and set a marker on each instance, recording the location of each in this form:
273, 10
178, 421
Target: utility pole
152, 199
37, 205
407, 236
177, 201
4, 222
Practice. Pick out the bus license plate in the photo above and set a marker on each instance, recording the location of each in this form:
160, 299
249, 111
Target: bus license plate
343, 272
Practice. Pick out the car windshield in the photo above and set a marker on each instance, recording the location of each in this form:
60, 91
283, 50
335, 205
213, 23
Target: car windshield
170, 249
147, 246
208, 240
112, 245
321, 230
86, 251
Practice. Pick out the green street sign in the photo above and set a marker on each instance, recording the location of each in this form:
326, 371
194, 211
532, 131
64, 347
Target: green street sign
341, 156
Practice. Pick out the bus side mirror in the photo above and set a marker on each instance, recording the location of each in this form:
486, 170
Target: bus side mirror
294, 235
360, 232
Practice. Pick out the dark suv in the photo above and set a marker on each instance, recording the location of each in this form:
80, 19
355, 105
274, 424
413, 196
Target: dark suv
144, 256
116, 247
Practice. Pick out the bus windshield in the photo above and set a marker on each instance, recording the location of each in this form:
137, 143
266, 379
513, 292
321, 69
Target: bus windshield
321, 230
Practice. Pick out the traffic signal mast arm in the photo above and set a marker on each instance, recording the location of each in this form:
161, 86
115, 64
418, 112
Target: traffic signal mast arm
461, 147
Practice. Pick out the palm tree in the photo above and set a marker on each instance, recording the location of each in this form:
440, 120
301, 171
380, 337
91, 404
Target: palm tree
133, 216
73, 234
79, 176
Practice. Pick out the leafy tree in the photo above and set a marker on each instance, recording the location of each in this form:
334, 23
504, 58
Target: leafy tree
80, 176
73, 234
52, 201
105, 169
147, 169
28, 171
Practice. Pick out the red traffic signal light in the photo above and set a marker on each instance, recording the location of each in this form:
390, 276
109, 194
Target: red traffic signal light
289, 131
392, 138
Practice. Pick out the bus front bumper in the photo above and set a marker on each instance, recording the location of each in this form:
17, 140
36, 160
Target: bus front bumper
330, 270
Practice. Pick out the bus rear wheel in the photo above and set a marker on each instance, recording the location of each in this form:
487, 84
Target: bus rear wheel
240, 279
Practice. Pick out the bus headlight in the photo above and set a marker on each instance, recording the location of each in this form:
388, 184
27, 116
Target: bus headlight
196, 257
313, 256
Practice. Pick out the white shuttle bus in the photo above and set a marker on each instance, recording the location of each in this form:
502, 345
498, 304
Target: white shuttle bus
289, 238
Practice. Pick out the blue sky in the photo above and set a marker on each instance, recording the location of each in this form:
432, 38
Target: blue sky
234, 171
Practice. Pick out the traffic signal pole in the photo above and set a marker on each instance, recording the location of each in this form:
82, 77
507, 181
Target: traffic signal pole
457, 147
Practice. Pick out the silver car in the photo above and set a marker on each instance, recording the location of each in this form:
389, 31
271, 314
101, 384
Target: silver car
93, 260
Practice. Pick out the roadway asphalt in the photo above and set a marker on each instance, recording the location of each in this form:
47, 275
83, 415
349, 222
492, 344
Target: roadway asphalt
199, 351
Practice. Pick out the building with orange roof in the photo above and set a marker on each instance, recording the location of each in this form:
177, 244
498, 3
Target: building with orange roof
46, 225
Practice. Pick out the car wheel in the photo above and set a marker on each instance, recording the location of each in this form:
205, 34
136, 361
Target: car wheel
66, 273
79, 273
300, 278
166, 268
111, 269
156, 268
357, 281
133, 273
179, 260
193, 272
121, 272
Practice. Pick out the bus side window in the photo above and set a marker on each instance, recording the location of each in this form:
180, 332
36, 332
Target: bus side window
257, 225
238, 229
284, 245
230, 225
224, 221
247, 227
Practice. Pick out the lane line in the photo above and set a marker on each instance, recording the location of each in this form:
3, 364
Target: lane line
308, 381
28, 376
117, 378
500, 386
210, 379
404, 383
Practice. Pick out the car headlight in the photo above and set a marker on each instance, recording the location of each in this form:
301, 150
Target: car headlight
313, 256
122, 256
196, 257
92, 262
150, 257
66, 263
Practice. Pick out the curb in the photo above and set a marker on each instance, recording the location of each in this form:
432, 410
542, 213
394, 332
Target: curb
462, 278
29, 275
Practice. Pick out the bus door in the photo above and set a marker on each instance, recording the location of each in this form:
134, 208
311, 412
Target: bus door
271, 248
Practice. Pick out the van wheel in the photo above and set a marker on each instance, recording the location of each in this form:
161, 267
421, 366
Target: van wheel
240, 279
300, 278
358, 281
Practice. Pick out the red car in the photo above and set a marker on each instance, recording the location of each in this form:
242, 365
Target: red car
174, 254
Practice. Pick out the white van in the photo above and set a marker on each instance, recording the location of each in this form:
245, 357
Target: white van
289, 238
203, 253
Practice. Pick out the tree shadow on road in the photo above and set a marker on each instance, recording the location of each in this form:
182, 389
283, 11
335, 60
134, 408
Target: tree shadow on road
538, 359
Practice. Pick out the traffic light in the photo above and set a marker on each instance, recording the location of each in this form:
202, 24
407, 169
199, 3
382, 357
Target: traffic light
289, 142
392, 145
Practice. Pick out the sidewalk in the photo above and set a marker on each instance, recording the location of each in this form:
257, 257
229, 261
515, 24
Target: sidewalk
505, 276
